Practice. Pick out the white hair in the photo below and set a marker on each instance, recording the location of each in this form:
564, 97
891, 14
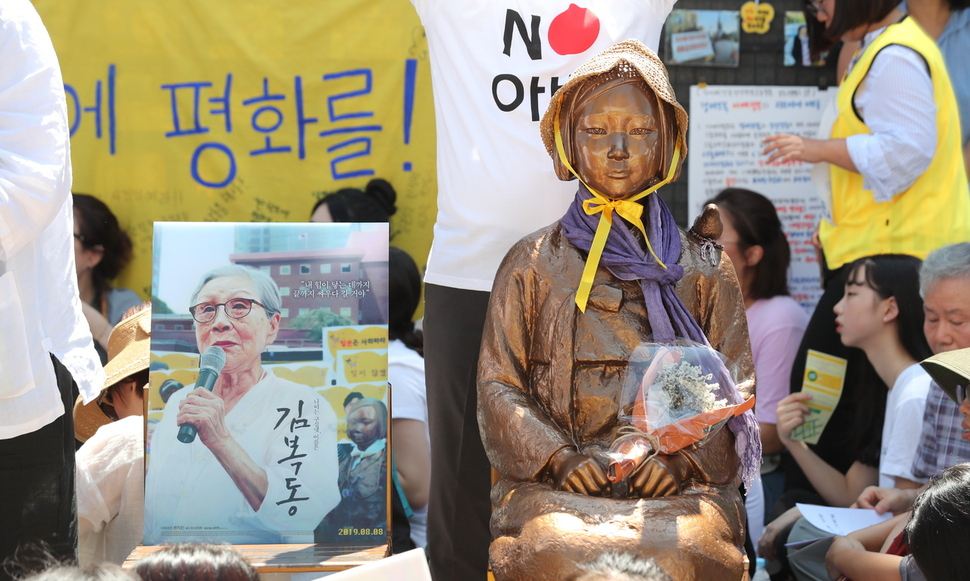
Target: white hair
944, 263
266, 288
623, 566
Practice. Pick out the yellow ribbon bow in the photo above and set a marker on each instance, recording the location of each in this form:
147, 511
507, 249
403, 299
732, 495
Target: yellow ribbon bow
627, 209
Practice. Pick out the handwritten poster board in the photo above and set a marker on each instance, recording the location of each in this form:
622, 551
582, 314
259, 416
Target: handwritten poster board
290, 443
242, 110
727, 126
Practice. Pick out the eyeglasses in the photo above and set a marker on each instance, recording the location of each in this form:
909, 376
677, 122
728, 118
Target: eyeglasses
235, 309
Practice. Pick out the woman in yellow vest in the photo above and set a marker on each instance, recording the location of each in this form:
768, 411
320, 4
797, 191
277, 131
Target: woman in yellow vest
898, 186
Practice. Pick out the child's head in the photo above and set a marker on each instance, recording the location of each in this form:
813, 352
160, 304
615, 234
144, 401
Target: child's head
882, 296
938, 533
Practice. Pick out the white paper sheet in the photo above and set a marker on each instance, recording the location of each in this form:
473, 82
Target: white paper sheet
841, 521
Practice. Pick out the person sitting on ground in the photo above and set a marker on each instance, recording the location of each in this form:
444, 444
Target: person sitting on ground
754, 240
881, 313
896, 103
935, 534
411, 447
195, 561
375, 203
110, 465
944, 283
945, 286
102, 250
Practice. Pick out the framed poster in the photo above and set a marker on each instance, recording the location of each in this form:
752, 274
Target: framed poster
706, 38
260, 332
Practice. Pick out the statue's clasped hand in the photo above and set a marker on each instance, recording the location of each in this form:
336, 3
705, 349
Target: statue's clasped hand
658, 476
575, 472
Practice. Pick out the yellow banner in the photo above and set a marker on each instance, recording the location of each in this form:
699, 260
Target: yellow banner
244, 111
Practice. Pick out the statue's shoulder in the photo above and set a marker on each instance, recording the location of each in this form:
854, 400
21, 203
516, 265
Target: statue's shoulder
699, 255
537, 250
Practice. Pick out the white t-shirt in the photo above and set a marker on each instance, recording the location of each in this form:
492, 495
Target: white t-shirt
494, 67
405, 372
903, 425
111, 492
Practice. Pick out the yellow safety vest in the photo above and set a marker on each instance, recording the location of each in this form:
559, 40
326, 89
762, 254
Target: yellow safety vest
935, 210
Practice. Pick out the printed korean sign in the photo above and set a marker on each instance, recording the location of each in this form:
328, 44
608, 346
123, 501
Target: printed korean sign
267, 414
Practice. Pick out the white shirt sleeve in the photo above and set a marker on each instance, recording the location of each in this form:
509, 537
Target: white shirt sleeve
896, 102
35, 164
901, 445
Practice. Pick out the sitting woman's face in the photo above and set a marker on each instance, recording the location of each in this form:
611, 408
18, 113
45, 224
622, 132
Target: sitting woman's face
617, 139
243, 339
859, 315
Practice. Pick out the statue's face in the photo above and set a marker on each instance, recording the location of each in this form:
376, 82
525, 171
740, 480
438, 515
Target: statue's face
617, 139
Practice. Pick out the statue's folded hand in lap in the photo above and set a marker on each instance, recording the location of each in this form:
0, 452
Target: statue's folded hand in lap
570, 306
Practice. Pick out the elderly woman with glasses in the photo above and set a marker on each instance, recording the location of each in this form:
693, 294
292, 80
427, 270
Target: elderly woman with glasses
263, 468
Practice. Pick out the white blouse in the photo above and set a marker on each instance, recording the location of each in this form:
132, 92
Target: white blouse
896, 101
40, 312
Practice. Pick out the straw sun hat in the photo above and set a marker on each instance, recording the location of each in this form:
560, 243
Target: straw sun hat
626, 59
128, 353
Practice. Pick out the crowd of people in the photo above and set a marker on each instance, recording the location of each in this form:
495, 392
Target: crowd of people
895, 256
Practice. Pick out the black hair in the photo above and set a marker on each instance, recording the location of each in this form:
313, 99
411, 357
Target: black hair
98, 227
897, 276
375, 203
850, 14
756, 221
404, 290
938, 531
352, 397
196, 561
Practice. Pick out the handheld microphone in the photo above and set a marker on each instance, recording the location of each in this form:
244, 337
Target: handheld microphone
210, 365
169, 387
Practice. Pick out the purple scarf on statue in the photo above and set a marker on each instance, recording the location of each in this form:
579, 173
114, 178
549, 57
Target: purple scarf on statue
627, 259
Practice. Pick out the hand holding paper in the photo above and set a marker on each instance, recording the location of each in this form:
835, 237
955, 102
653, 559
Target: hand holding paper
823, 381
838, 521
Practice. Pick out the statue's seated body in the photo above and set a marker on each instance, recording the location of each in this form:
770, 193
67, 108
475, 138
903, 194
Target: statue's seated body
551, 375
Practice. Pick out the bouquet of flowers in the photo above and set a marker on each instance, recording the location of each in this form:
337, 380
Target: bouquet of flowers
674, 397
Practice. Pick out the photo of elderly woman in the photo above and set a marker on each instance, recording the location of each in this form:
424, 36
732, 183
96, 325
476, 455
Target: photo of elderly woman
243, 411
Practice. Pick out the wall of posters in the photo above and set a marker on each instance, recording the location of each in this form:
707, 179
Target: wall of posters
267, 416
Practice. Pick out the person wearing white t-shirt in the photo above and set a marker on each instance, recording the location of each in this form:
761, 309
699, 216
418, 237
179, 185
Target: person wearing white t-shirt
903, 425
494, 67
881, 313
411, 447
